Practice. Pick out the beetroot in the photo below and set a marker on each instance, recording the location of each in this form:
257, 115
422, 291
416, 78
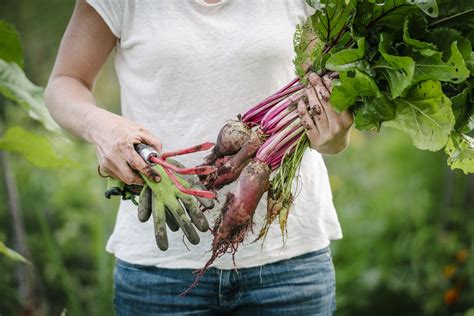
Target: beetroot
236, 217
231, 169
231, 138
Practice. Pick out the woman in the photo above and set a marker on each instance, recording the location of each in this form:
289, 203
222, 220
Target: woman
185, 67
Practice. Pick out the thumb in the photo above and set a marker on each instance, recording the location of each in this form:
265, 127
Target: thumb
152, 141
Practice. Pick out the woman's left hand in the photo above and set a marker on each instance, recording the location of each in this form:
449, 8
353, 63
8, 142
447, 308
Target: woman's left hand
327, 130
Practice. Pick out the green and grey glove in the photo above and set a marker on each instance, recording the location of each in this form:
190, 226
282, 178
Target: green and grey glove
170, 207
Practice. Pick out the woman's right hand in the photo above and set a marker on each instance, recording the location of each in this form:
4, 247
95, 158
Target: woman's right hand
85, 47
114, 138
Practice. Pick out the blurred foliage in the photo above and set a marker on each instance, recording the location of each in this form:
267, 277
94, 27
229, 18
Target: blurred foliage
407, 219
408, 229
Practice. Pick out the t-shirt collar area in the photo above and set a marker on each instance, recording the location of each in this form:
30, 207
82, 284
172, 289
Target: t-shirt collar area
206, 4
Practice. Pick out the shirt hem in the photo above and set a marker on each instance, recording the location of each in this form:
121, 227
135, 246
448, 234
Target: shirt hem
296, 248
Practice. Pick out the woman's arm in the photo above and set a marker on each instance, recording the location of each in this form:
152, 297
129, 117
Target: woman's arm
84, 48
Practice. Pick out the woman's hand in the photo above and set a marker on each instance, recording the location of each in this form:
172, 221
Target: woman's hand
114, 138
327, 130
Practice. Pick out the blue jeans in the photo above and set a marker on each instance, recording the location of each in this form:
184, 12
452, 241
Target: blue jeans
303, 285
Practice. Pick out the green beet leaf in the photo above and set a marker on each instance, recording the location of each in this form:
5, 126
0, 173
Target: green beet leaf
470, 63
418, 26
349, 59
429, 7
348, 89
454, 13
434, 68
387, 14
397, 70
36, 148
307, 46
331, 17
460, 151
15, 86
461, 110
373, 112
425, 115
443, 38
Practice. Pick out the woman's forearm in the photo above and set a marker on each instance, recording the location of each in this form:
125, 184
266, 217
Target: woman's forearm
73, 106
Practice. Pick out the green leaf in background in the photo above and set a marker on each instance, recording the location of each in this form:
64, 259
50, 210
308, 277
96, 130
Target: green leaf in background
17, 87
434, 68
397, 70
347, 89
425, 114
349, 59
460, 149
419, 25
454, 13
373, 112
36, 148
10, 44
9, 253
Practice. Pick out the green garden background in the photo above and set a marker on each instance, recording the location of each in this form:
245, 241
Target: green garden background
408, 220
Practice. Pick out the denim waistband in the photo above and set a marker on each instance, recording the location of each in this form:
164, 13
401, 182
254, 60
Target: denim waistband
305, 256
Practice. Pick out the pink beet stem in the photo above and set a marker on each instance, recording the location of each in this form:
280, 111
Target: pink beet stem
275, 139
259, 112
296, 133
278, 120
290, 84
275, 128
190, 191
287, 92
282, 92
275, 111
288, 149
189, 150
270, 120
270, 99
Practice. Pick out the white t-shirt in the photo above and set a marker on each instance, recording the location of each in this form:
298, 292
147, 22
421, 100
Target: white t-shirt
184, 68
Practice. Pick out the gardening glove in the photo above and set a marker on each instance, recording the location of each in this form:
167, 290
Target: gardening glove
171, 206
116, 187
145, 209
193, 180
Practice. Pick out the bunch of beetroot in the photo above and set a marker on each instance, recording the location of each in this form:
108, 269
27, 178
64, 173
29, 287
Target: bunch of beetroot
407, 64
247, 151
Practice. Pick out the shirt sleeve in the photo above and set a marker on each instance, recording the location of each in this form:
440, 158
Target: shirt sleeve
112, 12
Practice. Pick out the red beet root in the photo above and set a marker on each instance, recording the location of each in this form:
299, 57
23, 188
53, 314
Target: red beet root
230, 171
231, 138
236, 216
